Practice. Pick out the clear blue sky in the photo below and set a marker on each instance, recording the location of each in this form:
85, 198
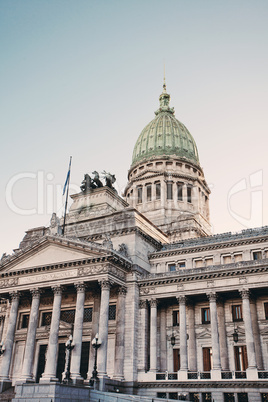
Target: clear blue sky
82, 78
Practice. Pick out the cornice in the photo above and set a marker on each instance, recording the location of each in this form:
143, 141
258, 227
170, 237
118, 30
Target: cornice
204, 384
207, 247
212, 272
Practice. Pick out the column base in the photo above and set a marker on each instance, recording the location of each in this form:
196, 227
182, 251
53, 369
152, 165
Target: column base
182, 375
77, 380
215, 374
48, 379
252, 373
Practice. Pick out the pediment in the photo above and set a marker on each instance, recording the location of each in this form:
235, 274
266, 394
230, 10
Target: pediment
206, 333
148, 174
51, 252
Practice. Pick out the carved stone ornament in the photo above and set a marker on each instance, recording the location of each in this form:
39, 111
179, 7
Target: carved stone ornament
153, 303
210, 283
122, 291
6, 283
245, 293
212, 297
105, 284
80, 287
57, 290
36, 293
182, 299
14, 295
142, 303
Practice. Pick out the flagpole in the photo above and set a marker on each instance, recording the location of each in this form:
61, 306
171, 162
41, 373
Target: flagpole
67, 193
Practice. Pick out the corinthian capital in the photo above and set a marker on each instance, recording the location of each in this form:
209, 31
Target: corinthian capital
14, 295
245, 293
153, 302
105, 284
57, 290
182, 299
212, 296
80, 287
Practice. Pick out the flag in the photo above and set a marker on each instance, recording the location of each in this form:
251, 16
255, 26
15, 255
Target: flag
68, 177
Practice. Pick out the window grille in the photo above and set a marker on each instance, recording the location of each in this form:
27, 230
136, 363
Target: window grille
112, 312
88, 314
46, 318
67, 316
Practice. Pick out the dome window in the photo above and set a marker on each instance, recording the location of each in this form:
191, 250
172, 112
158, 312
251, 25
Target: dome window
158, 191
139, 189
169, 191
149, 192
189, 194
180, 195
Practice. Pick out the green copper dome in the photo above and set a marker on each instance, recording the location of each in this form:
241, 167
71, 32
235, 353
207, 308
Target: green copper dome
165, 136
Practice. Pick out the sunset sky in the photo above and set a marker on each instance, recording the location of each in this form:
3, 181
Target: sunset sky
83, 78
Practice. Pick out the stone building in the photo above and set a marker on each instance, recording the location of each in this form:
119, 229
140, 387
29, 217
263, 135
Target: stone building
181, 313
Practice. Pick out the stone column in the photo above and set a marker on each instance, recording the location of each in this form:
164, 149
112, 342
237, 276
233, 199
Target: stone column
153, 336
214, 336
120, 334
94, 331
26, 372
183, 334
192, 337
52, 349
78, 334
184, 193
163, 193
143, 330
2, 320
256, 333
103, 328
9, 341
222, 336
252, 365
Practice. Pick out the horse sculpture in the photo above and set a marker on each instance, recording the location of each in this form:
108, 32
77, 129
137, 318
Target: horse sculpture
96, 179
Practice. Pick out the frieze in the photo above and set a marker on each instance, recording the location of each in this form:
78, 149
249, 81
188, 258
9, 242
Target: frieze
211, 283
101, 269
47, 277
6, 283
146, 291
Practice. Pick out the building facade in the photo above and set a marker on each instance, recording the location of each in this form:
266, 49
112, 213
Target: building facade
181, 314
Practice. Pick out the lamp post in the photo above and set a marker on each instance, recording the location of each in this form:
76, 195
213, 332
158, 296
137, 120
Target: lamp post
96, 343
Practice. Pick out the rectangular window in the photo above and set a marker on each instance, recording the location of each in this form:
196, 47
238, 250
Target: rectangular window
207, 359
181, 264
256, 255
88, 314
171, 267
149, 192
180, 195
227, 259
242, 397
199, 263
266, 310
173, 396
205, 315
241, 358
112, 311
237, 312
139, 195
158, 191
67, 316
25, 320
176, 359
161, 395
229, 397
208, 262
176, 318
46, 318
169, 191
189, 194
238, 257
194, 397
206, 397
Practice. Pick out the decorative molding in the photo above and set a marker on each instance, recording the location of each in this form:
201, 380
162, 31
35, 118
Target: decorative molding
6, 283
153, 303
80, 287
14, 295
143, 304
57, 290
122, 291
102, 269
146, 291
105, 284
182, 299
211, 283
36, 293
212, 297
245, 294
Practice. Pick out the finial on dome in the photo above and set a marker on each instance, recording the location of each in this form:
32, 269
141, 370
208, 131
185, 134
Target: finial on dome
164, 85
